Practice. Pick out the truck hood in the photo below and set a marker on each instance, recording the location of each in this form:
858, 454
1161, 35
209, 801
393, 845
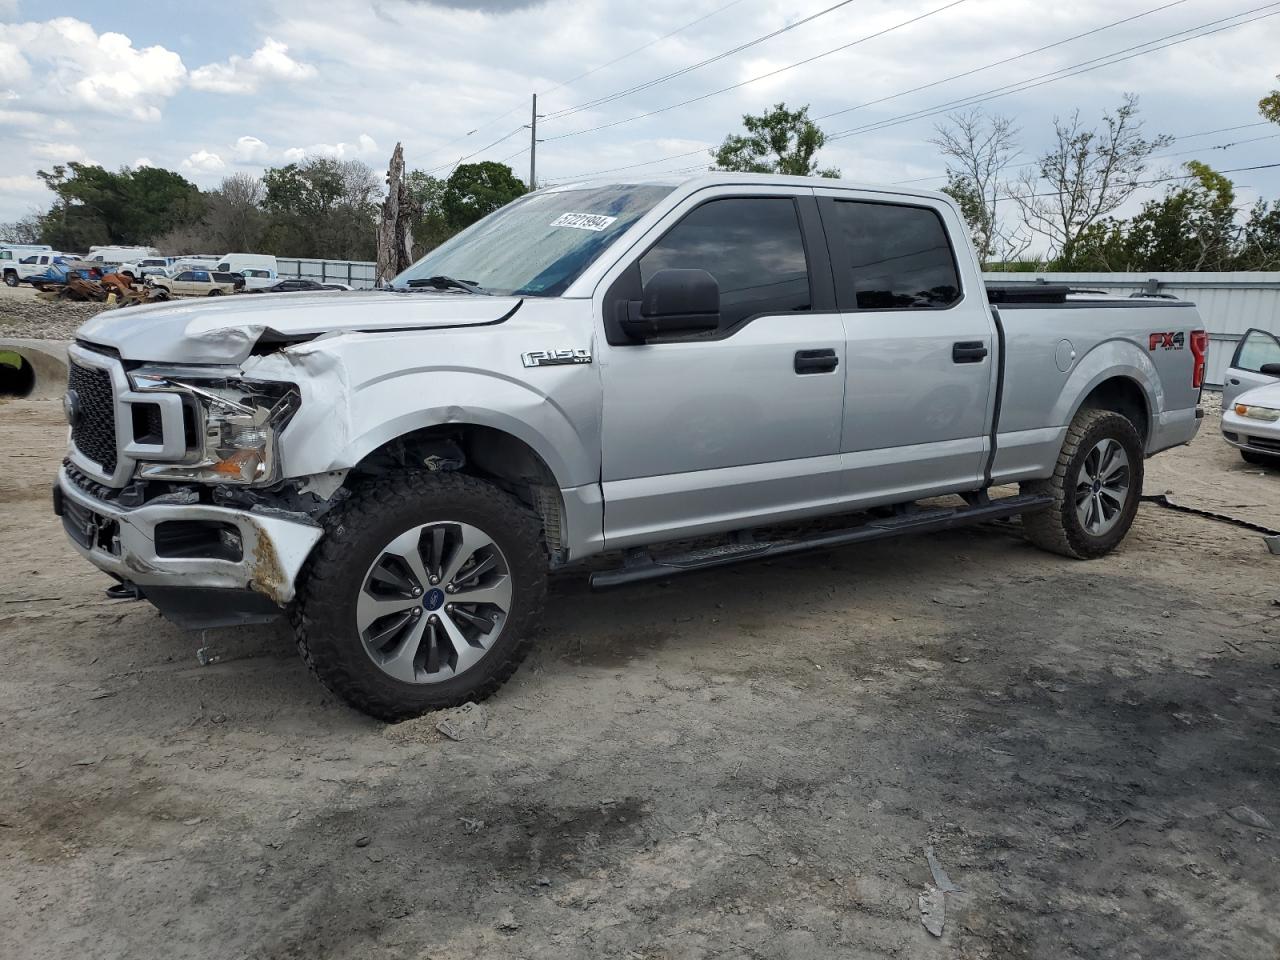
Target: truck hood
225, 329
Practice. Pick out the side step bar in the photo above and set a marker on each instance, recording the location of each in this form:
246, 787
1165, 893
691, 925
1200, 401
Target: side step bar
640, 565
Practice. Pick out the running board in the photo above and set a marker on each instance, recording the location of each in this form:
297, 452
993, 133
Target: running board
640, 565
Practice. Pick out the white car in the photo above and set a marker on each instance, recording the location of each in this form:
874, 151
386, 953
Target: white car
1252, 424
1251, 398
145, 267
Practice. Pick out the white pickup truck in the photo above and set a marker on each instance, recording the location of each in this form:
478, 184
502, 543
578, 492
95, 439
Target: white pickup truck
663, 371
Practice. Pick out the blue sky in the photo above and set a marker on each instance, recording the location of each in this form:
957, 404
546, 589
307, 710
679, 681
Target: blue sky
239, 86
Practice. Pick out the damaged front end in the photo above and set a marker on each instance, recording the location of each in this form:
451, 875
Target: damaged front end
173, 485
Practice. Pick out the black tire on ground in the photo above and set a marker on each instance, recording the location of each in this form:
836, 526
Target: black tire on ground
357, 532
11, 279
215, 293
1058, 528
1260, 459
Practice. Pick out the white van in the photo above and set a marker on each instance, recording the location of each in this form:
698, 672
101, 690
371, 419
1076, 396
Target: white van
240, 262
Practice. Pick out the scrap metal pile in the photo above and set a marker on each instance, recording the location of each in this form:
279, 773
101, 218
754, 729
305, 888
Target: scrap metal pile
85, 283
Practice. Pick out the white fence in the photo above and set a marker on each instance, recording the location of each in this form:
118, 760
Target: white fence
1229, 303
357, 273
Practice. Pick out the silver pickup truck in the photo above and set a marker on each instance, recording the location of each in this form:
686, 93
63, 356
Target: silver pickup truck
666, 371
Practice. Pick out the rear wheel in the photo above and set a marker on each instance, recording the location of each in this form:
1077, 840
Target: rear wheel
215, 293
424, 594
1096, 485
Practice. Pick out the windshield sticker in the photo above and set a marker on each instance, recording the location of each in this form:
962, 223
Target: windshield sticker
583, 221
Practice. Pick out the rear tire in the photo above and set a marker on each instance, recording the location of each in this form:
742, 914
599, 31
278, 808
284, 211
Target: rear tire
394, 646
1096, 486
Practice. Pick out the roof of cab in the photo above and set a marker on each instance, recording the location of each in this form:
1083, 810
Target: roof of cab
721, 178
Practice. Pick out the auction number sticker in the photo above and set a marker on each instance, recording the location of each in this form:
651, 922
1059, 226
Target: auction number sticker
583, 221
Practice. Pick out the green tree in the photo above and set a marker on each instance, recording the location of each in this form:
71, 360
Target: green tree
475, 190
321, 207
1259, 247
1269, 106
430, 225
1191, 228
95, 206
778, 141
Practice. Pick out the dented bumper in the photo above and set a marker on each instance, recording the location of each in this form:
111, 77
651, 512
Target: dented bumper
190, 546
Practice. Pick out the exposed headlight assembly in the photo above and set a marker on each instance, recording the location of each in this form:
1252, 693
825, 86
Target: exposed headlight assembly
236, 424
1270, 414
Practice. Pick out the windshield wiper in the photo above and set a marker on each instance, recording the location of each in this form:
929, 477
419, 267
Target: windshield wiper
448, 283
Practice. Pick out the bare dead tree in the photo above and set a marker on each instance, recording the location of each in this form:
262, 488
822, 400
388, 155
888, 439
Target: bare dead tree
979, 149
1086, 175
395, 234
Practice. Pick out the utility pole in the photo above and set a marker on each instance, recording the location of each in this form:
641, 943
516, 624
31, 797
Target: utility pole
533, 146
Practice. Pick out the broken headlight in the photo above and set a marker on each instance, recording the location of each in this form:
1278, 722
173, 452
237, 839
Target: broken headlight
232, 428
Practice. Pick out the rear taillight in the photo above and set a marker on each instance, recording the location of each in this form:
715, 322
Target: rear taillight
1199, 351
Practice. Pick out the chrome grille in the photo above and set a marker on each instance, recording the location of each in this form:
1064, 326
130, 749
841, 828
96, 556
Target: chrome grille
94, 433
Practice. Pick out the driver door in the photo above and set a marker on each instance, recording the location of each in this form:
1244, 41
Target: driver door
1256, 349
738, 426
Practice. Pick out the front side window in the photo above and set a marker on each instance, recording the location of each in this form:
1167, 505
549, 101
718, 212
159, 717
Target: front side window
1256, 349
899, 256
539, 244
185, 276
751, 245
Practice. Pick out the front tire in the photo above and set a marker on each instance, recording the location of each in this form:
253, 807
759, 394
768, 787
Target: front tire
1096, 486
1260, 459
423, 594
10, 279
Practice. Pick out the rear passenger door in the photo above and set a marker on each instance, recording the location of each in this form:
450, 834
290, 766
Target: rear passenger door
731, 428
921, 358
1256, 349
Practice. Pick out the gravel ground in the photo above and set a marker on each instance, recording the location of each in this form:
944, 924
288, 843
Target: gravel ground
749, 763
23, 314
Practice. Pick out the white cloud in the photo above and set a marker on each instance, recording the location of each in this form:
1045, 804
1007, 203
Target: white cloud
250, 150
142, 162
270, 62
60, 153
364, 146
21, 184
203, 161
81, 69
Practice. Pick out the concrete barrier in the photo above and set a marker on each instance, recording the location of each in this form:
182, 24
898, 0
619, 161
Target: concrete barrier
43, 373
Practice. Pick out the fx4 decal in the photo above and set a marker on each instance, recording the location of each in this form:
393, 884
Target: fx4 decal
1167, 341
555, 358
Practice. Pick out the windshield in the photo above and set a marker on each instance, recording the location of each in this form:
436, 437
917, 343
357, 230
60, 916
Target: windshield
536, 246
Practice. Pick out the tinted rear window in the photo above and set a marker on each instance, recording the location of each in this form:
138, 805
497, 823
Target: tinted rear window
899, 256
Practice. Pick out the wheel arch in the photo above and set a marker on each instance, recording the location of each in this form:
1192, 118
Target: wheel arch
1114, 376
482, 450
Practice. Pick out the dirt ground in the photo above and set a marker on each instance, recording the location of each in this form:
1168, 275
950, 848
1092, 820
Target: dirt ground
750, 763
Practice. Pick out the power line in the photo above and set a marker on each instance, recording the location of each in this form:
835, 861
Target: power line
506, 136
764, 76
619, 94
564, 83
1085, 66
1000, 63
1147, 183
1162, 156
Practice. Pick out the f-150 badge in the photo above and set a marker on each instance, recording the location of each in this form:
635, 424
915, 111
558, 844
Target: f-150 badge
555, 358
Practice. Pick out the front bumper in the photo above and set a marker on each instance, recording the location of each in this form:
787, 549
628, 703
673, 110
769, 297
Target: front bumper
1258, 436
123, 542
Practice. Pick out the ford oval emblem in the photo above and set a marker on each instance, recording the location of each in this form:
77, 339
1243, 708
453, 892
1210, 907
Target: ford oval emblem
71, 408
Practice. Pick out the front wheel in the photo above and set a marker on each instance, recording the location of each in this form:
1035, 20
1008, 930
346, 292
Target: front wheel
423, 594
10, 279
1096, 486
1260, 459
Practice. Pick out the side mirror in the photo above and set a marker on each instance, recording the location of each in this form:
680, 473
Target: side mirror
674, 301
1269, 369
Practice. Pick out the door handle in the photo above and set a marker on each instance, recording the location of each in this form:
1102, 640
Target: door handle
968, 351
1235, 382
816, 361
